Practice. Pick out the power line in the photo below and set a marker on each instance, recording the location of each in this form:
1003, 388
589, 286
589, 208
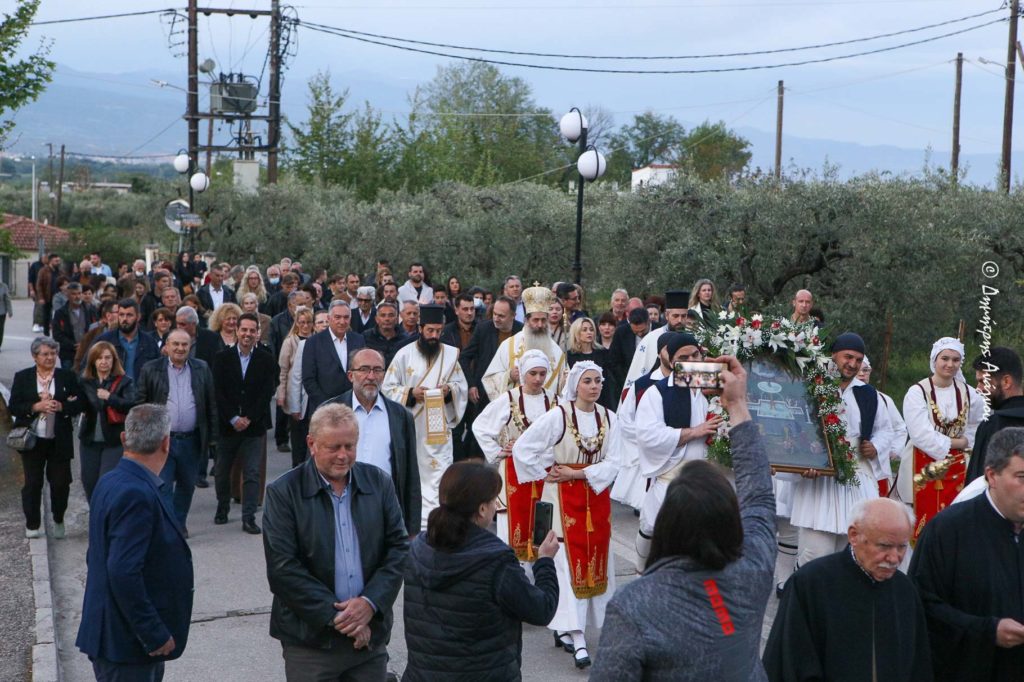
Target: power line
102, 16
176, 120
551, 67
554, 55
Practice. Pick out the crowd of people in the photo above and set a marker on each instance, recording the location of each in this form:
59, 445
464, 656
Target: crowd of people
418, 417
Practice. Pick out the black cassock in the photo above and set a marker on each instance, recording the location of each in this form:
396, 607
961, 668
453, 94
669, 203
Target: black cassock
1009, 413
969, 568
836, 623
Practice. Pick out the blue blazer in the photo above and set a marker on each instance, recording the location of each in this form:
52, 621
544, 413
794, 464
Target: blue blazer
138, 592
322, 373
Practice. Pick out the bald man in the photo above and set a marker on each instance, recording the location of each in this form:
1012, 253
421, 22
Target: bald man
803, 301
852, 615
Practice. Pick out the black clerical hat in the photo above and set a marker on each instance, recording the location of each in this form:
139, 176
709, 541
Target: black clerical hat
677, 298
431, 314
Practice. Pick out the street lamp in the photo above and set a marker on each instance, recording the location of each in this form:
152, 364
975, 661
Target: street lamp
590, 164
198, 181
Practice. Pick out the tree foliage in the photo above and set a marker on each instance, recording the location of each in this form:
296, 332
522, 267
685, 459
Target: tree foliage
649, 138
711, 151
21, 81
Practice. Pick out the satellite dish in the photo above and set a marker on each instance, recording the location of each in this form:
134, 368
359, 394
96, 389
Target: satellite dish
174, 211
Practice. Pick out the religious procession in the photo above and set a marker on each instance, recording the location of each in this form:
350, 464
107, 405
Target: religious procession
460, 451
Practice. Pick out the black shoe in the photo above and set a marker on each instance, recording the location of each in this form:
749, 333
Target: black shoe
220, 518
582, 661
251, 528
202, 483
562, 643
779, 587
283, 447
391, 677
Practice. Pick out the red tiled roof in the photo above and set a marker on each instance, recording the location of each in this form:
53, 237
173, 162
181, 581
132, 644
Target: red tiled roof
24, 232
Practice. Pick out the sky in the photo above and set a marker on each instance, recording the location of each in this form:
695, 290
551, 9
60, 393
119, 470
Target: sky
902, 98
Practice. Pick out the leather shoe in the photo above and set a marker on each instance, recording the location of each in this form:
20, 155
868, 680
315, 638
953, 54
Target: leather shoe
202, 483
582, 661
251, 528
221, 518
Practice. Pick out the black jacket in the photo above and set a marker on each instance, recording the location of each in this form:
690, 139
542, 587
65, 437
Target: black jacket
249, 397
451, 336
464, 609
480, 352
64, 333
280, 325
405, 470
206, 345
298, 541
66, 390
207, 300
620, 354
322, 374
121, 399
357, 321
147, 349
1010, 413
153, 387
386, 347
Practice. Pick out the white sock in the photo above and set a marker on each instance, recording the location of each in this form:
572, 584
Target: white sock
643, 550
578, 640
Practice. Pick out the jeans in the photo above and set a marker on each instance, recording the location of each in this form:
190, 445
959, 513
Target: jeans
43, 462
179, 474
249, 449
97, 458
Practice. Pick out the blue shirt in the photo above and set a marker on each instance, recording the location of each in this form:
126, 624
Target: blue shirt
348, 567
181, 402
374, 446
244, 359
131, 348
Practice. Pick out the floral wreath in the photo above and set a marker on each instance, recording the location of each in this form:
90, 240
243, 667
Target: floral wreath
797, 346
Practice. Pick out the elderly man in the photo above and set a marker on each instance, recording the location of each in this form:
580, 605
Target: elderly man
501, 374
426, 377
513, 288
215, 294
410, 317
620, 300
71, 322
968, 565
852, 615
138, 589
185, 385
205, 344
364, 316
326, 354
335, 546
387, 432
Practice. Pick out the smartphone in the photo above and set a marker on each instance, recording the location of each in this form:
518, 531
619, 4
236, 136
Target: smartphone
542, 514
704, 375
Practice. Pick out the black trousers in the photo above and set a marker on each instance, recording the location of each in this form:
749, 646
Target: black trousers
3, 323
281, 425
297, 432
249, 450
44, 463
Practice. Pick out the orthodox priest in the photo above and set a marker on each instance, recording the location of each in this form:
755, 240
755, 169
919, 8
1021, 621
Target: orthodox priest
568, 449
968, 566
677, 303
503, 374
672, 427
425, 376
821, 505
496, 429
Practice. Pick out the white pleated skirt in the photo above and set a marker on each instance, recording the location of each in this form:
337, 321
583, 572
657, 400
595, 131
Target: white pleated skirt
823, 504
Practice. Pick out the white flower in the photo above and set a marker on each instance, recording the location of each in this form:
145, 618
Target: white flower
799, 341
751, 338
757, 318
722, 315
777, 340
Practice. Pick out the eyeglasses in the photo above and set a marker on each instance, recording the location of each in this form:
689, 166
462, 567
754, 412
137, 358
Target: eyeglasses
369, 370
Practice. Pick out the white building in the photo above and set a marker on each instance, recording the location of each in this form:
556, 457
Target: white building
652, 175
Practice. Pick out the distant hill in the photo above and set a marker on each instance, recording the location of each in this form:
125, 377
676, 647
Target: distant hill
126, 113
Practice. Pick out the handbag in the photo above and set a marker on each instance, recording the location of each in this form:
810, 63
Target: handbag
115, 416
23, 437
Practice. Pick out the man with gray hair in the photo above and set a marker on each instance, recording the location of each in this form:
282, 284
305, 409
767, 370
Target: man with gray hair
852, 615
138, 590
326, 354
364, 315
968, 565
205, 344
71, 322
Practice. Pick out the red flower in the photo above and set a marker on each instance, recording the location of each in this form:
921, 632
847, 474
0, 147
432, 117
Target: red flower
740, 321
815, 341
832, 420
776, 325
849, 456
756, 324
819, 380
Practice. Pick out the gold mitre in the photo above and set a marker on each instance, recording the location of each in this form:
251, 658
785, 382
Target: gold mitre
537, 299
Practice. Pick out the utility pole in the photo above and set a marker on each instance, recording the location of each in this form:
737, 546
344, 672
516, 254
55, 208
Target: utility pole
954, 162
778, 134
60, 188
274, 124
1011, 72
192, 96
49, 183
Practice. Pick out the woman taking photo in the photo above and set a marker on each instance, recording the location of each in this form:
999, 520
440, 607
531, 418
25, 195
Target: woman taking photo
46, 398
108, 394
466, 596
708, 547
581, 347
942, 413
224, 321
566, 453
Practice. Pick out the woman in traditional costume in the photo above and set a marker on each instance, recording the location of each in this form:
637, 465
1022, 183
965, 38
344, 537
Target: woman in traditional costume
567, 451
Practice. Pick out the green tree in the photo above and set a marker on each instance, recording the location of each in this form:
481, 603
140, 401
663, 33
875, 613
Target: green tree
650, 138
21, 81
482, 127
369, 163
711, 152
320, 146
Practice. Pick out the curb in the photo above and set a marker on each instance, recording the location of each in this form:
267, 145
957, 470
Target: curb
45, 657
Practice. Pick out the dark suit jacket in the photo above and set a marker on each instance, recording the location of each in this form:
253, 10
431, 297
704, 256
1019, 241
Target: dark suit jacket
248, 397
207, 300
138, 591
64, 333
323, 376
146, 351
206, 345
480, 352
357, 321
65, 390
620, 355
280, 325
298, 540
405, 470
153, 387
450, 335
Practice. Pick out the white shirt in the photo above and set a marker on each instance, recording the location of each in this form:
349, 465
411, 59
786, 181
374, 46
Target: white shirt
341, 348
658, 442
374, 446
921, 426
217, 296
